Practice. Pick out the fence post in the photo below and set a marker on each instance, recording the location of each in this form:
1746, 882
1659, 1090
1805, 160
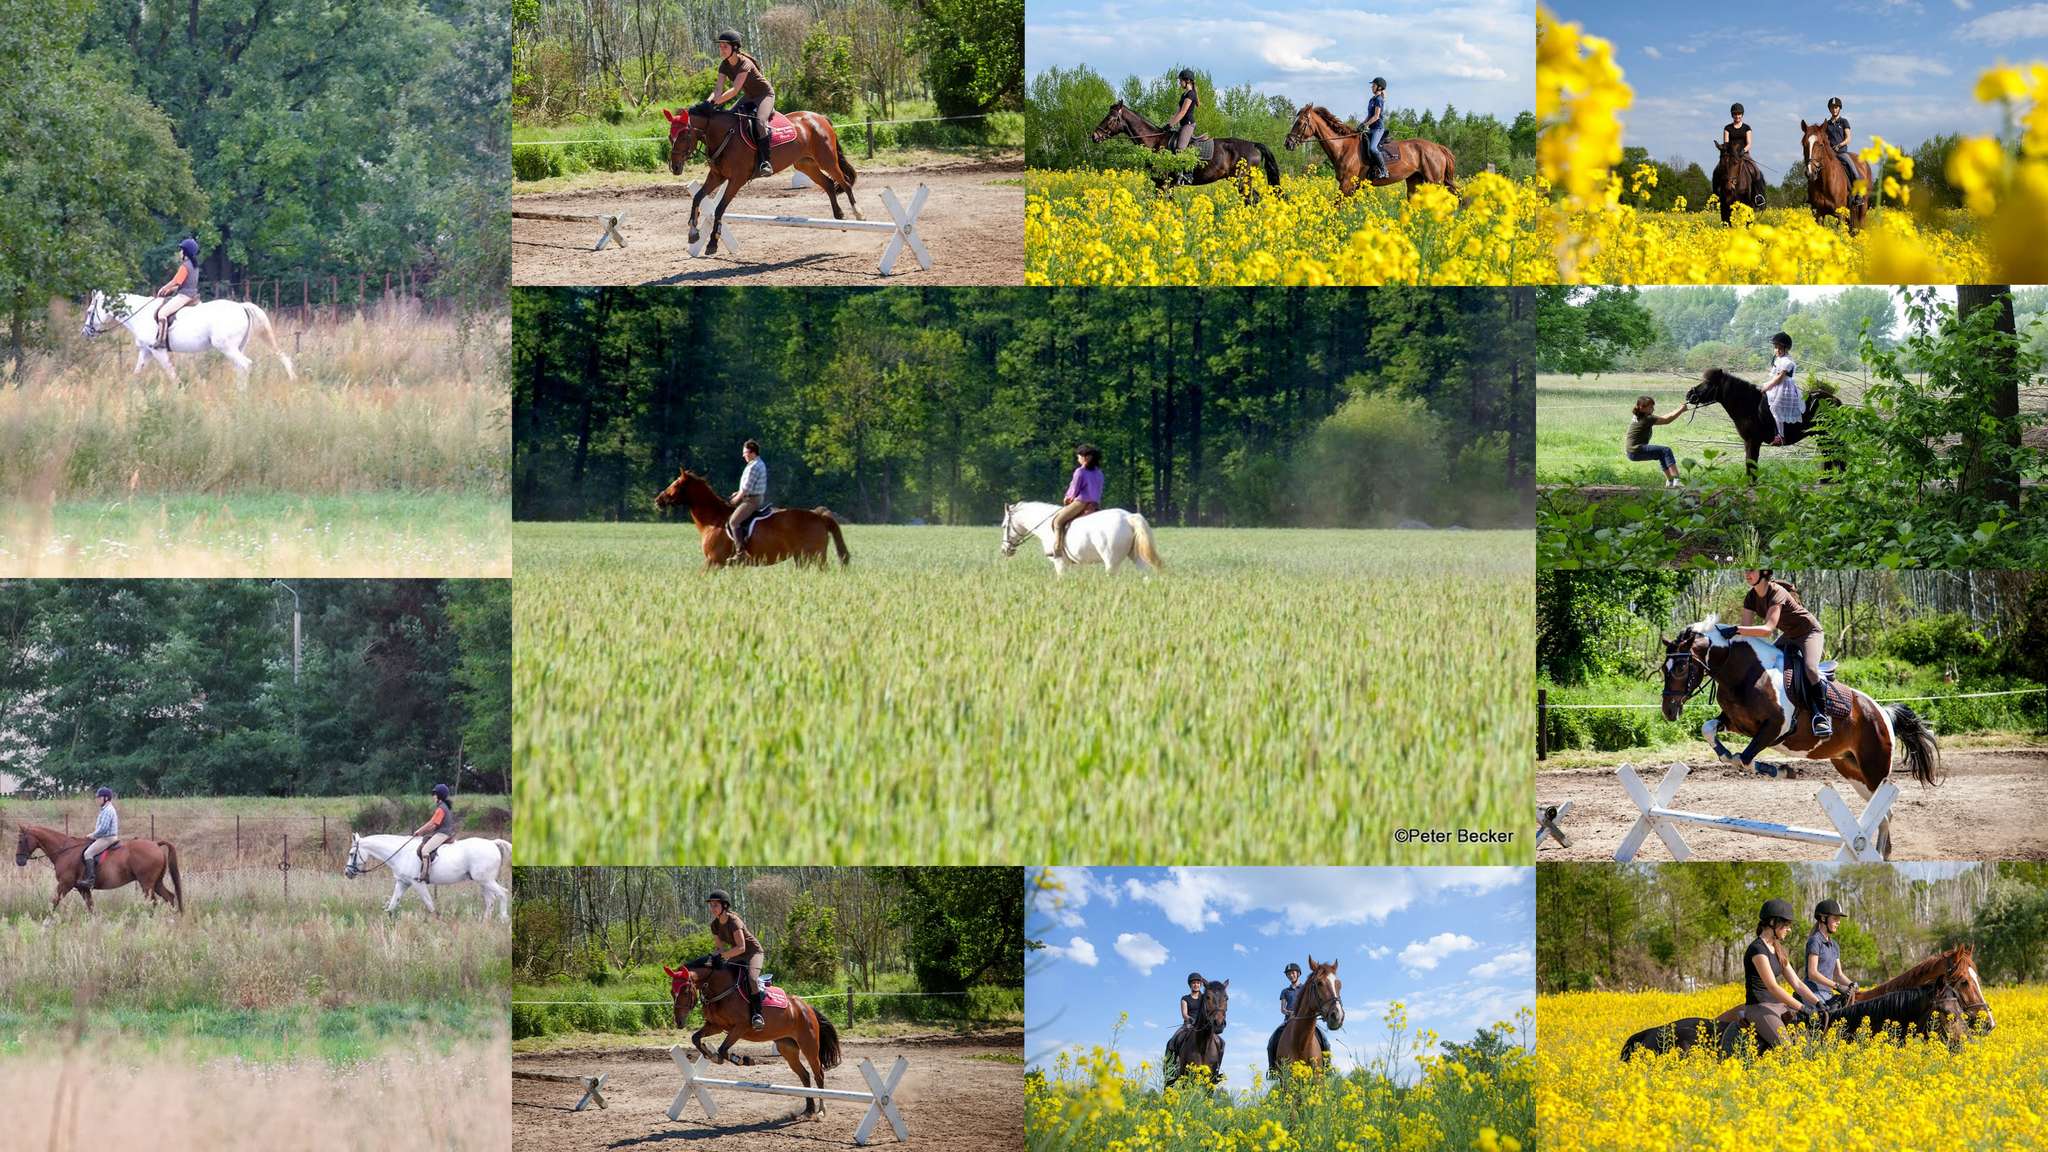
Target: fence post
238, 835
1542, 723
871, 135
305, 299
284, 865
849, 1007
323, 833
152, 825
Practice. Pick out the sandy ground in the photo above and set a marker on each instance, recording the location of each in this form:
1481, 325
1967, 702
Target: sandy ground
1987, 808
972, 223
953, 1099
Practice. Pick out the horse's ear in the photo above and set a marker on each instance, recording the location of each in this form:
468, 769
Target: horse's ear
1311, 962
1333, 965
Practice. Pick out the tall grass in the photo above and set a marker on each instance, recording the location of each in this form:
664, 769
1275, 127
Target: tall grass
1278, 696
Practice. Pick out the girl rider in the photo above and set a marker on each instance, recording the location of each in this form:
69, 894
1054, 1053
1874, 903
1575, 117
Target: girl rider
182, 289
1288, 996
1375, 127
1788, 405
1190, 1009
1084, 495
1766, 977
1181, 126
438, 830
1824, 952
1737, 132
1839, 136
742, 77
106, 831
740, 947
1777, 605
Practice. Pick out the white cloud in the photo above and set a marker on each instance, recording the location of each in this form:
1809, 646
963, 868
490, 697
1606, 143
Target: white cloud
1377, 952
2027, 22
1962, 5
1295, 52
1510, 963
1899, 68
1651, 51
1424, 955
1307, 899
1240, 949
1068, 890
1079, 950
1141, 951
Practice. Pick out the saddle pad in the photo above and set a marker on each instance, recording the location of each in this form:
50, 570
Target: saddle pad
763, 514
780, 130
773, 997
1205, 148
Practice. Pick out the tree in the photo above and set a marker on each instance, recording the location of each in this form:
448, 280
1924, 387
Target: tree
974, 56
1586, 330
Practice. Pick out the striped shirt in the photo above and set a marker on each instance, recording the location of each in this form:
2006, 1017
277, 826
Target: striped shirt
754, 481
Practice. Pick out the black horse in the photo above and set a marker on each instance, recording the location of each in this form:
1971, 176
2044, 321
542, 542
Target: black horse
1677, 1036
1736, 180
1200, 1041
1221, 165
1751, 411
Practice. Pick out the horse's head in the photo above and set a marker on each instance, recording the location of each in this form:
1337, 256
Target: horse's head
1322, 994
1111, 124
683, 990
1011, 535
679, 490
1303, 128
98, 317
684, 132
1813, 139
1685, 666
1713, 383
22, 844
1216, 1004
354, 865
1962, 983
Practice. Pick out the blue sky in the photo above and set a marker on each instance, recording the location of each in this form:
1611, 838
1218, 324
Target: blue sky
1455, 945
1476, 54
1903, 68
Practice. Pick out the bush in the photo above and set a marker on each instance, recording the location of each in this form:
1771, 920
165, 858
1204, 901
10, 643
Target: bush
1936, 640
536, 163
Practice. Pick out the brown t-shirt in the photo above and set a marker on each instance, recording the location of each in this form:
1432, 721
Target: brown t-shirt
742, 68
731, 932
1639, 428
1794, 621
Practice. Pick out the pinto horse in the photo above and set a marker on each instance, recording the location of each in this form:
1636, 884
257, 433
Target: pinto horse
1321, 998
1750, 409
1736, 180
1201, 1044
144, 863
1123, 120
787, 534
797, 1030
729, 151
1415, 162
1749, 677
1829, 189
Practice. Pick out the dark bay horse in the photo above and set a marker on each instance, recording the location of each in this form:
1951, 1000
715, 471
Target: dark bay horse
1321, 998
1749, 675
1125, 121
1736, 181
1748, 407
1829, 188
1202, 1044
789, 534
1415, 162
729, 151
144, 863
799, 1033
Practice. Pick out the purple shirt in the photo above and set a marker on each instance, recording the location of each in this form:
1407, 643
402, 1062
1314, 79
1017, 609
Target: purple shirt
1086, 486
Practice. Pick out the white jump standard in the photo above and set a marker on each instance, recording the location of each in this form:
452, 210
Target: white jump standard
610, 220
593, 1086
880, 1096
902, 227
1854, 838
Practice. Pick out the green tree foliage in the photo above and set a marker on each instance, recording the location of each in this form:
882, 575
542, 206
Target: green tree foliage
965, 925
809, 948
1588, 623
1239, 407
480, 615
974, 52
185, 688
825, 78
1587, 330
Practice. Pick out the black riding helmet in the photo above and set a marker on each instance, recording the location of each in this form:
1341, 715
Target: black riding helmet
719, 894
729, 37
1774, 910
1834, 103
189, 247
440, 791
104, 794
1196, 978
1735, 110
1379, 81
1292, 969
1187, 74
1828, 908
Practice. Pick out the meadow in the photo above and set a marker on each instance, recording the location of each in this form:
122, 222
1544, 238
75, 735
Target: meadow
387, 456
1857, 1095
1582, 421
1275, 696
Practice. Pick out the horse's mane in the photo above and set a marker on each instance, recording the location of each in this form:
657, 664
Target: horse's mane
1919, 975
1337, 125
705, 483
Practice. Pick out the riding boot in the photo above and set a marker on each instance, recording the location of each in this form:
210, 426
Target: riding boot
1817, 703
762, 166
163, 333
92, 874
754, 1010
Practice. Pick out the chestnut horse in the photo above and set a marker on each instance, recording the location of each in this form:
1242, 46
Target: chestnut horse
790, 533
729, 151
141, 862
1828, 188
1751, 411
1749, 679
1415, 162
1123, 120
797, 1030
1202, 1044
1321, 998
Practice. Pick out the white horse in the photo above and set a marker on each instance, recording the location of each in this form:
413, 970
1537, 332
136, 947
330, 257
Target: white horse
476, 858
1108, 537
222, 325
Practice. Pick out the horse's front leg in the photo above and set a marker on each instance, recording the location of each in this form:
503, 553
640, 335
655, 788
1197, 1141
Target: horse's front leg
397, 894
712, 180
163, 359
1712, 731
732, 189
141, 359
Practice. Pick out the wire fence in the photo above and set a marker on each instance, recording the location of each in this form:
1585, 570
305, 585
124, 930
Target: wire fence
1544, 707
866, 126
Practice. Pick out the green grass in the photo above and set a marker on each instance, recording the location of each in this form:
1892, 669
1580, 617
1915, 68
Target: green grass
635, 1001
1582, 427
1276, 697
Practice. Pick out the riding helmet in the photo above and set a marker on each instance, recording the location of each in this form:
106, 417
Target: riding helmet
440, 791
1291, 969
104, 794
1827, 908
189, 247
1776, 910
729, 37
719, 895
1379, 81
1834, 102
1735, 109
1196, 978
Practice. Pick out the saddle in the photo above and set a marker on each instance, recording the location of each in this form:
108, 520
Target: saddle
746, 533
780, 130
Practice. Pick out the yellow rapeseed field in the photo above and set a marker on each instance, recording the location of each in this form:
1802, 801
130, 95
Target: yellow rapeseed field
1838, 1097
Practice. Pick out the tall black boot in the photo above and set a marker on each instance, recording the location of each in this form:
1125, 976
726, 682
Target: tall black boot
1817, 703
762, 165
754, 1009
92, 874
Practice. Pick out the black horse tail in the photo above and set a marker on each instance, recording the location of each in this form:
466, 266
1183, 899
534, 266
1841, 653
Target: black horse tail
844, 166
1916, 743
1271, 165
832, 525
828, 1043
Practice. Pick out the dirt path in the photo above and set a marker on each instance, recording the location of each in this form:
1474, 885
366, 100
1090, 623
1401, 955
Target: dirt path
1987, 808
954, 1098
973, 224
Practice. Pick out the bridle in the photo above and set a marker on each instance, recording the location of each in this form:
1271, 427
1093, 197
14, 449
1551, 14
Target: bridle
1693, 677
354, 868
1012, 536
1296, 137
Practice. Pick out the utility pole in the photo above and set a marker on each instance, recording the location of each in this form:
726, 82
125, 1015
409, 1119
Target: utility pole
295, 626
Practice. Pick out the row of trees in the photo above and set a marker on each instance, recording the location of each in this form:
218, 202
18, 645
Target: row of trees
1251, 407
1065, 105
1612, 926
190, 688
1681, 178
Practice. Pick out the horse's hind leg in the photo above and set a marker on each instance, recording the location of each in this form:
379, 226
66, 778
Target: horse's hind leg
794, 1055
809, 166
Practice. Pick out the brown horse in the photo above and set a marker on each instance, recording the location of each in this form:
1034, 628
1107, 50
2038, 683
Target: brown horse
1939, 998
1321, 998
1124, 120
1828, 188
798, 1032
787, 534
729, 151
141, 862
1956, 967
1200, 1044
1748, 674
1736, 180
1415, 162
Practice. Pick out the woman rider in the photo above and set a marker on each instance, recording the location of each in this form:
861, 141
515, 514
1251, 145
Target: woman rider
1084, 495
1777, 605
1181, 126
1190, 1009
738, 946
438, 830
1288, 998
1375, 127
1839, 136
742, 76
106, 831
182, 289
1824, 952
1766, 977
1737, 132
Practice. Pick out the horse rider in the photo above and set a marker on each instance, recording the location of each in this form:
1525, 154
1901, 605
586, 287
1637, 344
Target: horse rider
182, 289
738, 947
1766, 978
1288, 996
1776, 605
749, 499
1824, 952
438, 830
1737, 132
1374, 126
1190, 1012
1180, 127
1788, 405
106, 832
1084, 495
742, 76
1837, 128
